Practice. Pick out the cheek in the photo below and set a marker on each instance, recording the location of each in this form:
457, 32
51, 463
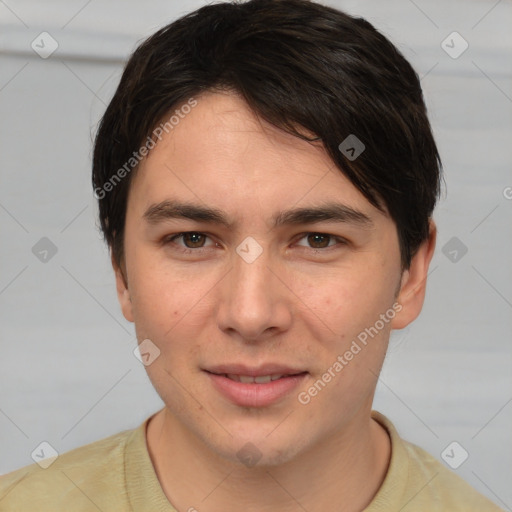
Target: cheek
156, 308
162, 296
172, 310
350, 305
347, 302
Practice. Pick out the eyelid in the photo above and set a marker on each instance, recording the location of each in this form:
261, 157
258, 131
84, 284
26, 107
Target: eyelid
171, 239
340, 240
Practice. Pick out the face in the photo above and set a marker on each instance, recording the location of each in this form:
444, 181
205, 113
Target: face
249, 255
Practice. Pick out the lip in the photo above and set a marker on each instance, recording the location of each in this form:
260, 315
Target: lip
253, 394
265, 369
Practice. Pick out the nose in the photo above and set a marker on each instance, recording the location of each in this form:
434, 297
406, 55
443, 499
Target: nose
254, 304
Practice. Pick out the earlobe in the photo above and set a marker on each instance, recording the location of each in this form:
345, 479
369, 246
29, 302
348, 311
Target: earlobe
414, 282
123, 293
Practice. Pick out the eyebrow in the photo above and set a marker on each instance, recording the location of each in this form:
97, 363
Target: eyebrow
327, 212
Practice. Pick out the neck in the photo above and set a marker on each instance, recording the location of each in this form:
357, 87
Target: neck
342, 472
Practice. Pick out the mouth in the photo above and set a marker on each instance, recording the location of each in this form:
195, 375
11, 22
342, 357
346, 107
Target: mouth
255, 387
260, 379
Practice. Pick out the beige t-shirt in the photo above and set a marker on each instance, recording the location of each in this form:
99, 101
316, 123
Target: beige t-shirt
116, 475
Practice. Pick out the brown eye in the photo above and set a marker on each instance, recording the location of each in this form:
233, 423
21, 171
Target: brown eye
189, 242
193, 240
319, 240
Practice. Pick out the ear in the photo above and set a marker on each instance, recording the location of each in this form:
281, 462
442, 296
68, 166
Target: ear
414, 282
123, 294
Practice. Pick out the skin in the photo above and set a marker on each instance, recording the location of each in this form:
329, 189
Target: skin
299, 303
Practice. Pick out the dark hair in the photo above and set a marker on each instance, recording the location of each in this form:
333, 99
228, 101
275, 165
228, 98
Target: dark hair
297, 64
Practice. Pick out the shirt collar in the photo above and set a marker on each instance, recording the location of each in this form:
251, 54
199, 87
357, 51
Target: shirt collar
145, 493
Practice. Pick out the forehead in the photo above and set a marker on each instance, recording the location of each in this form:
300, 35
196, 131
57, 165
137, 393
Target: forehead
220, 152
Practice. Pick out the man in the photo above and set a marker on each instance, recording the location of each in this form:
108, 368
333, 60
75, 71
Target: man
266, 176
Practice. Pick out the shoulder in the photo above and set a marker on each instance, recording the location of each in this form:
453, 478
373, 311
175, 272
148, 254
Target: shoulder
82, 479
442, 486
417, 481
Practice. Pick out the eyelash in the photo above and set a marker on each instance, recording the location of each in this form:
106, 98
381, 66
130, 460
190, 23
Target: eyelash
187, 250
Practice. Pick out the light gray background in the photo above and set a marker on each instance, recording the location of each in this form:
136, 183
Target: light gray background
67, 372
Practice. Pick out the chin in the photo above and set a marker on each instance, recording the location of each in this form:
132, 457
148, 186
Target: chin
257, 450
